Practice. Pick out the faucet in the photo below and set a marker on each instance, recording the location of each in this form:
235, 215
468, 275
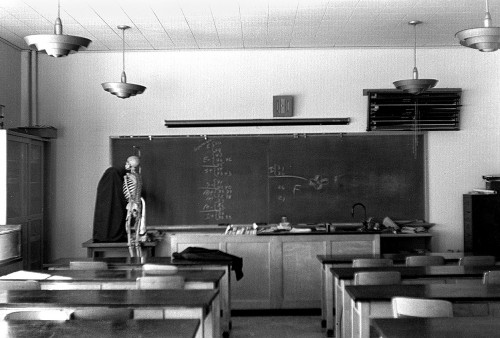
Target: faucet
361, 205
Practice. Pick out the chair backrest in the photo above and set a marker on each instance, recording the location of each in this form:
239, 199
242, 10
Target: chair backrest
491, 277
420, 307
46, 314
424, 260
371, 262
377, 277
162, 269
19, 285
103, 313
88, 265
160, 282
477, 260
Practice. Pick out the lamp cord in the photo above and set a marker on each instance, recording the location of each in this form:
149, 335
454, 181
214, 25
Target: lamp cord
415, 49
123, 50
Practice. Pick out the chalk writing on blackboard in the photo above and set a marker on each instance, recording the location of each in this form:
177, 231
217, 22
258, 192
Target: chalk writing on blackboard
216, 190
277, 171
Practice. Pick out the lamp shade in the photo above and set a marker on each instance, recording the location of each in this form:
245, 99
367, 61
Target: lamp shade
57, 45
123, 89
484, 39
415, 86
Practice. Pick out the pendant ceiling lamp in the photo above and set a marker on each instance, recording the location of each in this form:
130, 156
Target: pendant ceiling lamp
123, 89
57, 44
415, 85
484, 39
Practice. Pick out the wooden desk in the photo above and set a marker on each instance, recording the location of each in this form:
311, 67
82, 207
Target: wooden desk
344, 276
147, 304
103, 249
112, 279
477, 327
328, 286
374, 301
137, 262
170, 328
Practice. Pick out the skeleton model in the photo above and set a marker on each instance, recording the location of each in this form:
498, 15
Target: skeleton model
136, 207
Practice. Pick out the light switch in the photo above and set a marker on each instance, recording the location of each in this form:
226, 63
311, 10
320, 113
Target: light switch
283, 106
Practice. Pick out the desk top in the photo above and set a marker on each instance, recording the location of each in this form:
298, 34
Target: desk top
212, 276
451, 292
170, 328
449, 257
128, 262
477, 327
445, 271
115, 298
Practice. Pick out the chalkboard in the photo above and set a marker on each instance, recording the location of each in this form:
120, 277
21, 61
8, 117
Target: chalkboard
238, 179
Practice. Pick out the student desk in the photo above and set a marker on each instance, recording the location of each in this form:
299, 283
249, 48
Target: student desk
344, 276
477, 327
149, 304
132, 263
111, 279
169, 328
374, 301
328, 288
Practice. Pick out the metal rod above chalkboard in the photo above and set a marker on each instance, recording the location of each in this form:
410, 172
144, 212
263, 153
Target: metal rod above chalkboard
256, 122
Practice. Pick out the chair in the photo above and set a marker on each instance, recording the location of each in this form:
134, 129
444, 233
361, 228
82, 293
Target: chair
46, 314
491, 277
421, 307
103, 313
19, 285
162, 269
377, 278
424, 260
160, 282
477, 260
88, 265
371, 262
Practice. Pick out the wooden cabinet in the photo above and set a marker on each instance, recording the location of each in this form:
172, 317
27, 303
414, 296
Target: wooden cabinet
280, 271
25, 193
482, 224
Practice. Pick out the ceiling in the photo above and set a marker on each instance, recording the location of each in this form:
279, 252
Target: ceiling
246, 24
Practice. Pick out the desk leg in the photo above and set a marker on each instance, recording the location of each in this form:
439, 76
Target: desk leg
360, 319
225, 297
323, 295
345, 317
329, 290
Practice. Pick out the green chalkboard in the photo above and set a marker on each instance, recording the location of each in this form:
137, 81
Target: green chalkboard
239, 179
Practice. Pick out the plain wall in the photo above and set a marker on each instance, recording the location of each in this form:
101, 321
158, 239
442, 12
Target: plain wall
240, 84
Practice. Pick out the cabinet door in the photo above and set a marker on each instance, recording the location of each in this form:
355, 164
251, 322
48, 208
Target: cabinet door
25, 194
17, 177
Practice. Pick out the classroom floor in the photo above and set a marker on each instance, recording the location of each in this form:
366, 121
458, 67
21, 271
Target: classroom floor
277, 326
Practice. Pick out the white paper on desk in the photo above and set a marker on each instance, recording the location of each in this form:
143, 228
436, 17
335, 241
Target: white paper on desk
23, 274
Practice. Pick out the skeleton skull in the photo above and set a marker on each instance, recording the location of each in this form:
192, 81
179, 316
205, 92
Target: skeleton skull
132, 162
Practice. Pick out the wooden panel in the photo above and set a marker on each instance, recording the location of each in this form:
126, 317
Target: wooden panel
253, 290
302, 274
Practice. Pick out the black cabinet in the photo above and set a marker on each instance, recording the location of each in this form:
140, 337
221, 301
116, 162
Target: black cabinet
482, 224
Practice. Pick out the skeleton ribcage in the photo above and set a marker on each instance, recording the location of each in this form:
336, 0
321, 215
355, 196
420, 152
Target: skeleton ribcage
132, 186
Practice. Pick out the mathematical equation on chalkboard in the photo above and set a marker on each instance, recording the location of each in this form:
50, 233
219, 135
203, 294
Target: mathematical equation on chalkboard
291, 185
216, 172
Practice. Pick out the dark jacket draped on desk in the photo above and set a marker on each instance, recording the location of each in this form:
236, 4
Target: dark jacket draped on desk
202, 254
110, 207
